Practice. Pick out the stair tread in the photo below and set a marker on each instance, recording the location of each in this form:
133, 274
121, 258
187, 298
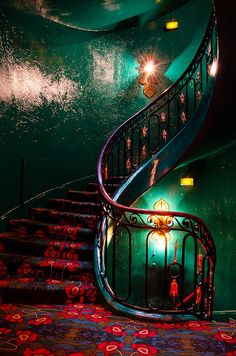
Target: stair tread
46, 224
82, 192
48, 261
54, 211
73, 202
24, 281
45, 241
29, 290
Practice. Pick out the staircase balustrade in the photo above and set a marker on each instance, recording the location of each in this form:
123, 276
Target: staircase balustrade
182, 279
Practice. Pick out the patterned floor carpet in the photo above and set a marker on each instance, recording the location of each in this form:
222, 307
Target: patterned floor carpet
47, 258
89, 329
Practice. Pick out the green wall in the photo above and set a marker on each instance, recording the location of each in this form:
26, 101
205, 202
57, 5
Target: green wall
212, 198
63, 91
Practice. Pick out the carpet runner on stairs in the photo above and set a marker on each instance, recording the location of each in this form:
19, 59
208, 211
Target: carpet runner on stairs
48, 257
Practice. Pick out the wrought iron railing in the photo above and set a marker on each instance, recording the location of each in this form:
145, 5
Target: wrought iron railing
186, 278
153, 127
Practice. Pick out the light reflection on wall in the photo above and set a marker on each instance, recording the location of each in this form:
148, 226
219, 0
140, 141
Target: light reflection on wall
111, 5
28, 86
103, 67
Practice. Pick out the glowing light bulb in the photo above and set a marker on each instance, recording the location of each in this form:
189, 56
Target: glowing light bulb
149, 67
213, 68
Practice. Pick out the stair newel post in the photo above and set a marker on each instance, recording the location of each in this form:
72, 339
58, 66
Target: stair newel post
22, 181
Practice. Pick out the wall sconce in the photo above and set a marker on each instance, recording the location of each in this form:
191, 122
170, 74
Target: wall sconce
161, 233
190, 173
171, 25
186, 181
148, 74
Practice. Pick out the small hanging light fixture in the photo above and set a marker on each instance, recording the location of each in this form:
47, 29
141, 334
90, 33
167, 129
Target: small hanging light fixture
171, 24
186, 181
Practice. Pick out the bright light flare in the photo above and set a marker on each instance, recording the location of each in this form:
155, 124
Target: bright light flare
161, 238
213, 68
149, 68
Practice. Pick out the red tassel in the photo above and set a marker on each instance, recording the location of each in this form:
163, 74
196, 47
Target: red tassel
174, 289
144, 131
198, 295
144, 152
128, 143
164, 135
128, 165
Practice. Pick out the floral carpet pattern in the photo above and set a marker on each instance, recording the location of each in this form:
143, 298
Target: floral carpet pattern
89, 329
47, 274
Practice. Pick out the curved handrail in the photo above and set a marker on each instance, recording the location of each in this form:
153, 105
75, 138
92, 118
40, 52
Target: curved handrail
156, 221
125, 126
41, 195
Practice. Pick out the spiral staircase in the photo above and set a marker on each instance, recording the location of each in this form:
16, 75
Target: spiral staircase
136, 274
48, 257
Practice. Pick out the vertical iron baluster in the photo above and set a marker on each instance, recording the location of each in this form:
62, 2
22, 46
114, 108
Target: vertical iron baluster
186, 102
182, 277
195, 271
124, 158
146, 272
114, 262
168, 117
178, 115
132, 148
149, 136
207, 68
130, 265
139, 146
166, 275
106, 246
118, 160
201, 78
112, 165
202, 288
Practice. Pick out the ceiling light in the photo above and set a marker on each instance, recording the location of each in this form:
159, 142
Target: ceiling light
172, 25
186, 181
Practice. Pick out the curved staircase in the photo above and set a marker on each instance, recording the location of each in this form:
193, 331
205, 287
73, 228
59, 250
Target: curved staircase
48, 257
154, 262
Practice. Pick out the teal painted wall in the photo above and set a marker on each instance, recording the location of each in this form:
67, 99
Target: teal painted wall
212, 198
63, 91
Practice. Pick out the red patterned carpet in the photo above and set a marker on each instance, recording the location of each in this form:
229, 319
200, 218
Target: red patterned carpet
47, 258
88, 329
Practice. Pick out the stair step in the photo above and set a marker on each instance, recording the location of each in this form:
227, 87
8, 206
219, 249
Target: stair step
29, 290
45, 247
60, 232
74, 206
52, 268
116, 179
63, 217
110, 187
83, 196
